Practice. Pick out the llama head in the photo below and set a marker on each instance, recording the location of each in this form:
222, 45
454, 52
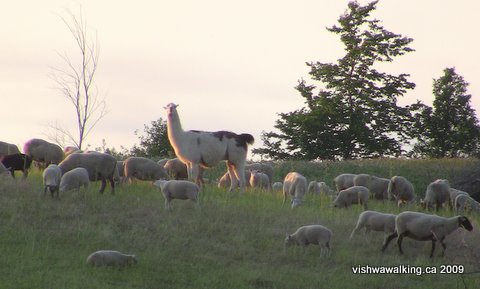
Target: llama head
171, 107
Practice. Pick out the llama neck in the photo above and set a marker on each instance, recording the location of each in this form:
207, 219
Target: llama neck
174, 129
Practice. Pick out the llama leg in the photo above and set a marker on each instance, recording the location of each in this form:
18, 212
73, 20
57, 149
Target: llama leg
233, 177
240, 172
194, 175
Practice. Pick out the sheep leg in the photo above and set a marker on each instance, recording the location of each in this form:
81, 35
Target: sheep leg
104, 184
112, 185
389, 239
399, 243
433, 248
444, 247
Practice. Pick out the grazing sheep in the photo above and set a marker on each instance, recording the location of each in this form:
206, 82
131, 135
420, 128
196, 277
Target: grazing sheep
178, 189
206, 149
8, 149
375, 221
17, 162
52, 176
352, 195
42, 151
343, 181
464, 202
224, 181
263, 168
453, 195
100, 166
74, 179
311, 234
437, 194
294, 185
143, 169
259, 180
378, 186
111, 258
4, 172
400, 189
424, 227
277, 186
317, 188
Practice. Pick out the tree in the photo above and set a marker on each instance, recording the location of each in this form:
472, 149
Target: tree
76, 82
354, 111
450, 128
154, 142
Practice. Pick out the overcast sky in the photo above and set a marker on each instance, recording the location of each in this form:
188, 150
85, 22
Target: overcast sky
230, 65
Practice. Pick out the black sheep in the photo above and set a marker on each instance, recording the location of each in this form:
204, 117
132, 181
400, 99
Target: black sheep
17, 162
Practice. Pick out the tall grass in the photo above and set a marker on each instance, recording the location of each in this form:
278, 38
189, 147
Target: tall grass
232, 241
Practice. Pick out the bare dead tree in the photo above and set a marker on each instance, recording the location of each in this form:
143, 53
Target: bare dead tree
76, 82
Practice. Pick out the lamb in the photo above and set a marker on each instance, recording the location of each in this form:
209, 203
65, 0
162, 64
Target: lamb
401, 190
277, 186
206, 149
378, 186
263, 168
17, 162
111, 258
100, 166
8, 149
259, 180
311, 234
178, 189
424, 227
375, 221
316, 188
52, 176
437, 194
343, 181
352, 195
463, 202
294, 185
224, 181
74, 180
44, 152
143, 169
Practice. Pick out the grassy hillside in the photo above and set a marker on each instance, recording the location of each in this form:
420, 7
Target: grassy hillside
232, 241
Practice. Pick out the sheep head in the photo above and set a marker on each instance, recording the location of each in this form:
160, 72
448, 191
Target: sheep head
465, 223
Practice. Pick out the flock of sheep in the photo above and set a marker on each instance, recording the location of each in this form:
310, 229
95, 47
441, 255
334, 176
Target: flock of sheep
182, 178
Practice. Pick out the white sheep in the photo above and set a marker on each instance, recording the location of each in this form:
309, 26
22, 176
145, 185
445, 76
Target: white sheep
424, 227
375, 221
277, 186
311, 234
352, 195
111, 258
4, 172
178, 189
437, 194
453, 195
400, 189
263, 168
378, 186
74, 179
464, 202
317, 188
143, 169
343, 181
52, 176
42, 151
294, 185
259, 180
206, 149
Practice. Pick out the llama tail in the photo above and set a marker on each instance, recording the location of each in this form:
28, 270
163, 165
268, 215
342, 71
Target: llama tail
248, 138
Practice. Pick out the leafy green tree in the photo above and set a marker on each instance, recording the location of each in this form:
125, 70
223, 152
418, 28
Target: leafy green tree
450, 128
354, 112
154, 142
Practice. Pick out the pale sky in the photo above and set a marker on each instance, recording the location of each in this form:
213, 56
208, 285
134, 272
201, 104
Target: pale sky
230, 65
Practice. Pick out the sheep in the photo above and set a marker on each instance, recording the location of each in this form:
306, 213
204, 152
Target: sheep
74, 180
437, 194
400, 189
177, 170
311, 234
463, 202
17, 162
70, 150
143, 169
100, 166
8, 149
315, 187
52, 176
206, 149
224, 181
424, 227
277, 186
177, 189
343, 181
44, 152
375, 221
378, 186
4, 172
259, 180
162, 162
453, 195
111, 258
294, 185
263, 168
352, 195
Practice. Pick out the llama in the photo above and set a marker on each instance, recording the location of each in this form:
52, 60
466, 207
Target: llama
206, 149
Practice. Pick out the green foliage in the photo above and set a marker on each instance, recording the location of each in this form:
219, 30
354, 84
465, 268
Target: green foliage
450, 128
154, 142
354, 113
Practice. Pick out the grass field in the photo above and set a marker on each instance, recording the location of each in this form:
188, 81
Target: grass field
231, 241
